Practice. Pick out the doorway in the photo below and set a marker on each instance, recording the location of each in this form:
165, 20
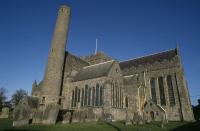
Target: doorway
152, 115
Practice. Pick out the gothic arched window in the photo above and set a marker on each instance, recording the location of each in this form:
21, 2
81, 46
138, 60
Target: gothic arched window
170, 90
86, 95
72, 104
113, 94
162, 91
153, 90
97, 95
89, 96
116, 95
122, 98
82, 97
118, 103
75, 94
119, 97
79, 93
93, 96
101, 96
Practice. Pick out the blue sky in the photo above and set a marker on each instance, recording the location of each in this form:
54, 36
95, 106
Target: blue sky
125, 29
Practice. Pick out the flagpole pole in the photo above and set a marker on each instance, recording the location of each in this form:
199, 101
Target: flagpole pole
96, 46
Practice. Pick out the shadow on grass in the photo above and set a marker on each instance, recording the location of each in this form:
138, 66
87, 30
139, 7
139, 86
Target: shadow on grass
195, 126
110, 124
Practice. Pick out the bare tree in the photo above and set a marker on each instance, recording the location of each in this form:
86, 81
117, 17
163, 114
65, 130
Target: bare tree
2, 97
18, 95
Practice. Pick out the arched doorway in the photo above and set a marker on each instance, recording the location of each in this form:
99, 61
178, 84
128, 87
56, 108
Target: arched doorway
152, 115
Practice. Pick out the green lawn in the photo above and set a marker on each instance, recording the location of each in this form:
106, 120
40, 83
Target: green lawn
6, 125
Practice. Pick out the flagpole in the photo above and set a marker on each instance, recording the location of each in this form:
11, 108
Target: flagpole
96, 46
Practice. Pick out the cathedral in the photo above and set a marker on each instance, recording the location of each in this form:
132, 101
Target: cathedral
98, 87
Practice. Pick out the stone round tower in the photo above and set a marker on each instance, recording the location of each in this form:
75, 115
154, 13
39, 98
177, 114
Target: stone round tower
51, 85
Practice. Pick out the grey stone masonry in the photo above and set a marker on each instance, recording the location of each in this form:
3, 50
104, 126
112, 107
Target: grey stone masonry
98, 87
54, 69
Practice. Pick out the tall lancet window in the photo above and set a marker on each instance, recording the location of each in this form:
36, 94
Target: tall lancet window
79, 94
72, 104
89, 97
75, 96
153, 90
162, 91
122, 98
121, 90
101, 96
93, 96
170, 90
82, 97
97, 95
116, 95
113, 94
86, 95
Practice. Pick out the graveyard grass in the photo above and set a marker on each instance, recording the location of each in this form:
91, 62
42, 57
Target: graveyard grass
6, 125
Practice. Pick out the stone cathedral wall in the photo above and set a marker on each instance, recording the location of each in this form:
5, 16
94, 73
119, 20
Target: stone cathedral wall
182, 109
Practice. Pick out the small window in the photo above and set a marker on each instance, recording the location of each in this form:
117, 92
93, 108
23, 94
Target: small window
59, 102
116, 70
137, 78
62, 10
43, 99
157, 113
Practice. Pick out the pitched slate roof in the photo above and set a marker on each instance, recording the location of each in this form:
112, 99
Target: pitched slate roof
68, 54
168, 55
94, 71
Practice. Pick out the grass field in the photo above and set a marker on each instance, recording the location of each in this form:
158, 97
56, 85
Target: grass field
6, 125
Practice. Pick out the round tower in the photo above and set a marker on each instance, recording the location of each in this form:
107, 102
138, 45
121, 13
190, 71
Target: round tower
51, 85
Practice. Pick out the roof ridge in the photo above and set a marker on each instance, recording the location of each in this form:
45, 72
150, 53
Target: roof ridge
153, 54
